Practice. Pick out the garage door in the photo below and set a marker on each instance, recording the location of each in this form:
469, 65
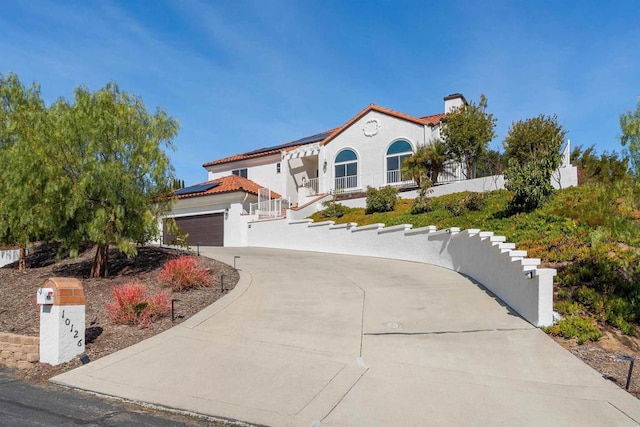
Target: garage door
207, 230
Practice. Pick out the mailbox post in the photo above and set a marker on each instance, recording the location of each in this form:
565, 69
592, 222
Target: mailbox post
62, 319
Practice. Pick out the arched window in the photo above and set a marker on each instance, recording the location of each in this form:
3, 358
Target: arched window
346, 170
397, 153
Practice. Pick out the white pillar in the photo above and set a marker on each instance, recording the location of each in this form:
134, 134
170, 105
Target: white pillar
62, 320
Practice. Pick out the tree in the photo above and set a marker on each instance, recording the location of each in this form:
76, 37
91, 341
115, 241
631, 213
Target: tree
535, 138
533, 149
467, 132
607, 169
24, 207
630, 125
491, 163
428, 162
112, 170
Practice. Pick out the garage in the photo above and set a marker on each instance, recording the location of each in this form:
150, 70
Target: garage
206, 230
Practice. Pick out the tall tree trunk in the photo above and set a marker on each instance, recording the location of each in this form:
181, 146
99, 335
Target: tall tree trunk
22, 261
99, 267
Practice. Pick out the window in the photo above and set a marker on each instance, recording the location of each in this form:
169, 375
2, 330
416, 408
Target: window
397, 153
346, 169
240, 172
278, 167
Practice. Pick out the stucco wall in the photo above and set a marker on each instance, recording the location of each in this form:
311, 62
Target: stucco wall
236, 204
261, 170
371, 150
309, 208
564, 177
480, 255
8, 256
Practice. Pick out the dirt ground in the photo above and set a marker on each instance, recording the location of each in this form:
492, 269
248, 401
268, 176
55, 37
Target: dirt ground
19, 313
603, 356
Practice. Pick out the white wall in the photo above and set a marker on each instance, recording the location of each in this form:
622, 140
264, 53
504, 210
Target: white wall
371, 150
309, 208
8, 256
480, 255
564, 177
261, 170
478, 185
236, 204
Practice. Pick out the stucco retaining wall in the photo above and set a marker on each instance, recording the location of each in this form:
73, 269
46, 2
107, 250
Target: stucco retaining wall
564, 177
19, 351
8, 256
489, 259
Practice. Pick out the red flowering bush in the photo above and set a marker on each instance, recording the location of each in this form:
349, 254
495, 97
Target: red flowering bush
183, 273
134, 305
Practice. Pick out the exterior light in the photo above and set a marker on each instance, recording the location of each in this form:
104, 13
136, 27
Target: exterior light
632, 360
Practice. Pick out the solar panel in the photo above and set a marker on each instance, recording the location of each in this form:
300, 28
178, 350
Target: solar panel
301, 141
199, 188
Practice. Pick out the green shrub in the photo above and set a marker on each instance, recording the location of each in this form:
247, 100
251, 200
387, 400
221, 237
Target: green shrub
423, 203
590, 298
530, 184
563, 294
456, 207
333, 209
475, 201
618, 321
382, 200
568, 308
582, 328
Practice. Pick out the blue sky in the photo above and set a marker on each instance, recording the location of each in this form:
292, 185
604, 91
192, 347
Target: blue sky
240, 75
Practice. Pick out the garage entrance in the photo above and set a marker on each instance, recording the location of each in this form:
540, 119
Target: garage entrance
208, 230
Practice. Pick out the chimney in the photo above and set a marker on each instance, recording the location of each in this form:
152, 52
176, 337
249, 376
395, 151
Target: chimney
452, 101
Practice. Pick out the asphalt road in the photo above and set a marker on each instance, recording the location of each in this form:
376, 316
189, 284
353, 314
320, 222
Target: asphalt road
26, 404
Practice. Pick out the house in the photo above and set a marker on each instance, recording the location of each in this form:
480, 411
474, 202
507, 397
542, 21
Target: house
367, 150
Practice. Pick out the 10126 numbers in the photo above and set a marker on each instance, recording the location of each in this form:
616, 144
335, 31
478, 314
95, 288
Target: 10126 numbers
72, 330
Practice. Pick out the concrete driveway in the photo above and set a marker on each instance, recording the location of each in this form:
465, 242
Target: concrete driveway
310, 339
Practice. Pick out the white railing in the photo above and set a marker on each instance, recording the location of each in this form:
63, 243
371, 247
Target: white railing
394, 178
345, 183
452, 172
274, 208
313, 185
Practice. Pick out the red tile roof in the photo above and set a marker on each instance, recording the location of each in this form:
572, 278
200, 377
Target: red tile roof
229, 184
431, 120
427, 120
236, 157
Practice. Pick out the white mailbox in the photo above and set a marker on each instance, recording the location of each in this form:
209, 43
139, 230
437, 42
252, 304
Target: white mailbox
62, 320
44, 296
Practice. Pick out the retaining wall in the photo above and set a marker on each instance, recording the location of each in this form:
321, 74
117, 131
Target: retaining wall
8, 256
489, 259
19, 351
